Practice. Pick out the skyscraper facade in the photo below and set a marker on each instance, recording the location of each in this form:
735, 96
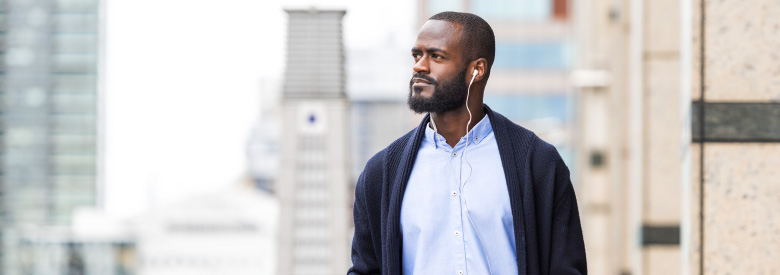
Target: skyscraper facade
313, 184
50, 114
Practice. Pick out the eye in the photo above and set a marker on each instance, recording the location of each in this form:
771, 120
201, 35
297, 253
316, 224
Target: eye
416, 56
436, 56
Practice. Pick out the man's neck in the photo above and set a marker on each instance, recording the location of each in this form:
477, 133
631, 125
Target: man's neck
452, 124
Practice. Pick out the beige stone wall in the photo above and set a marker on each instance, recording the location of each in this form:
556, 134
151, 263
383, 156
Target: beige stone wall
742, 228
661, 113
694, 238
742, 60
610, 221
695, 80
740, 63
600, 205
741, 208
741, 179
662, 140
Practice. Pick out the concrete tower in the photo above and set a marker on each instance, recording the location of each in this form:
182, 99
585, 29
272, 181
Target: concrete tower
313, 186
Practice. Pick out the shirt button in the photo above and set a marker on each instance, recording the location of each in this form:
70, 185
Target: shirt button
454, 154
454, 193
476, 138
460, 272
457, 233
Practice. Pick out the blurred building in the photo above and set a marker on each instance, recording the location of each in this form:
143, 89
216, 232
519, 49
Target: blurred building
61, 250
263, 145
230, 231
529, 81
313, 184
375, 123
679, 135
378, 89
50, 115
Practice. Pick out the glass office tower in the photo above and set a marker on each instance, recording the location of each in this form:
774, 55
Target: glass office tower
49, 118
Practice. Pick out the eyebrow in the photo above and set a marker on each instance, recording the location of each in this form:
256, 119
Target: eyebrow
430, 50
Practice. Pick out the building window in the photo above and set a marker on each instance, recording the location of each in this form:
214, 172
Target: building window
77, 5
76, 22
74, 83
553, 55
73, 144
530, 107
73, 124
74, 164
80, 182
522, 10
75, 43
74, 103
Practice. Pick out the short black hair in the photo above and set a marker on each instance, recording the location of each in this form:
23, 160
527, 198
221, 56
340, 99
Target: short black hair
477, 38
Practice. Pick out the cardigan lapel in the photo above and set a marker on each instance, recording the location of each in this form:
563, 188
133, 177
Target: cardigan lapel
507, 150
403, 171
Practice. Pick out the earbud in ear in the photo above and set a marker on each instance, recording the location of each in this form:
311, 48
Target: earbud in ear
475, 72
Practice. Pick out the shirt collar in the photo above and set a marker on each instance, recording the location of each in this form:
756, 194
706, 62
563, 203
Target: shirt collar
477, 134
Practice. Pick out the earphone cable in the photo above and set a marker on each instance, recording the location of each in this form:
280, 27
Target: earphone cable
462, 185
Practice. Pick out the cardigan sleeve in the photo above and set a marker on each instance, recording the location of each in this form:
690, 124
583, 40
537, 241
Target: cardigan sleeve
365, 260
567, 247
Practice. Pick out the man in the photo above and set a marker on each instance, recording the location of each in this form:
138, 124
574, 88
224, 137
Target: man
447, 198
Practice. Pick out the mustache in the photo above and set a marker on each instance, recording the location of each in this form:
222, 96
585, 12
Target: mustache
422, 76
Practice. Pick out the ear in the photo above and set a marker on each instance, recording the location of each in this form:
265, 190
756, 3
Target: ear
480, 65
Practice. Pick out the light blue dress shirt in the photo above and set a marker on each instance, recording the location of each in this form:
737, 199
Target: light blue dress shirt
438, 237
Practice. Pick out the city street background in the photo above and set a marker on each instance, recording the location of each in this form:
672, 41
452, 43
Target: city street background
225, 137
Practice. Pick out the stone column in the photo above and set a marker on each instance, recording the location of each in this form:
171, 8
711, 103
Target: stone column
735, 156
662, 160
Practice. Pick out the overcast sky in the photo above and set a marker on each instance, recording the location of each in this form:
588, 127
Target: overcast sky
182, 87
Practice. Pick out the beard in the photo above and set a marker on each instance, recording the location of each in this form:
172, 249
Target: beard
448, 96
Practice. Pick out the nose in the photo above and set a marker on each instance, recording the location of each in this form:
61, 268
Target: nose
421, 66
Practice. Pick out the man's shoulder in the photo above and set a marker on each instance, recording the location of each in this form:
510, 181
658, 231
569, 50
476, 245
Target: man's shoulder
370, 183
393, 150
548, 171
528, 144
542, 153
502, 124
517, 134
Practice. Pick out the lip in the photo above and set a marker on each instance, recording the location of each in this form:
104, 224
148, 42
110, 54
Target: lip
417, 80
420, 82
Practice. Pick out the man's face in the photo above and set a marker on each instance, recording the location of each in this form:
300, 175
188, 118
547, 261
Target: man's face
439, 80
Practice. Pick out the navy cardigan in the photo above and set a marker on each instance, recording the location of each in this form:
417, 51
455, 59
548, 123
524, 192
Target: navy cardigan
548, 235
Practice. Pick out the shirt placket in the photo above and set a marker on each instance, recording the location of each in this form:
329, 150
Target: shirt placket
457, 211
